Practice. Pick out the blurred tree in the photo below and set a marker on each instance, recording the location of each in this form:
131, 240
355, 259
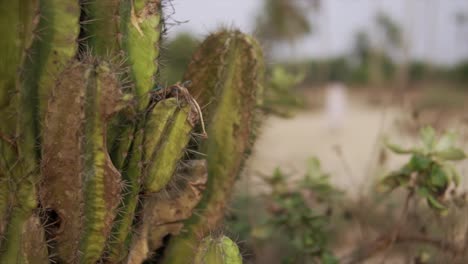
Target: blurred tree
461, 23
362, 47
392, 34
282, 20
391, 46
179, 50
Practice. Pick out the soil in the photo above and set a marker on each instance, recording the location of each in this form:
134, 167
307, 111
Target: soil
353, 154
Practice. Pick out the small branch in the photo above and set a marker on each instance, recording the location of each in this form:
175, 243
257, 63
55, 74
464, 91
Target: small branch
382, 243
436, 243
404, 215
385, 242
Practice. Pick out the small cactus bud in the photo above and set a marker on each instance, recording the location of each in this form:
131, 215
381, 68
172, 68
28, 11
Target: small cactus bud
220, 250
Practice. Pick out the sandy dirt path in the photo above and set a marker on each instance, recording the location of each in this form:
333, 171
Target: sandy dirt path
350, 154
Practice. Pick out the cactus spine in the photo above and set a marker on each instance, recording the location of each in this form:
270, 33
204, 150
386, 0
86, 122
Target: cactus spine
94, 163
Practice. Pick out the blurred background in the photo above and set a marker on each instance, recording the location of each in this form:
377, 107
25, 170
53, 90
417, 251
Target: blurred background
342, 76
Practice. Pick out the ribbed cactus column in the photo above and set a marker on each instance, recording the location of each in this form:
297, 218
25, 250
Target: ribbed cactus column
15, 41
41, 63
141, 27
80, 184
61, 165
128, 32
226, 75
154, 156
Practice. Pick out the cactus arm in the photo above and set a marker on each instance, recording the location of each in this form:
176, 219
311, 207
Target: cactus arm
164, 159
141, 33
79, 182
93, 240
17, 156
163, 140
52, 48
230, 124
102, 27
101, 180
10, 53
160, 115
120, 238
61, 188
16, 41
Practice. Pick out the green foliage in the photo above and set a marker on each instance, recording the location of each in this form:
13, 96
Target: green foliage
176, 57
391, 30
428, 172
282, 20
296, 212
280, 97
460, 71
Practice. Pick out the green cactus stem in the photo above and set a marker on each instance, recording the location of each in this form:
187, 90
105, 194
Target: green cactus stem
53, 47
20, 212
166, 142
80, 183
121, 234
101, 179
160, 145
62, 178
233, 92
102, 26
17, 23
140, 38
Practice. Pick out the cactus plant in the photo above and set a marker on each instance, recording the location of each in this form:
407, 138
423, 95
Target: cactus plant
98, 162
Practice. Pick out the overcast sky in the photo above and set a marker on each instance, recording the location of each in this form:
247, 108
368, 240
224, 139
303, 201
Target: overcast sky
429, 25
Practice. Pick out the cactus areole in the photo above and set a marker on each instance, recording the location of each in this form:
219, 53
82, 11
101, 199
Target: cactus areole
97, 166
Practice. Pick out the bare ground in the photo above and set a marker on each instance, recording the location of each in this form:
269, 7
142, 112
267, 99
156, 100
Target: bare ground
354, 155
